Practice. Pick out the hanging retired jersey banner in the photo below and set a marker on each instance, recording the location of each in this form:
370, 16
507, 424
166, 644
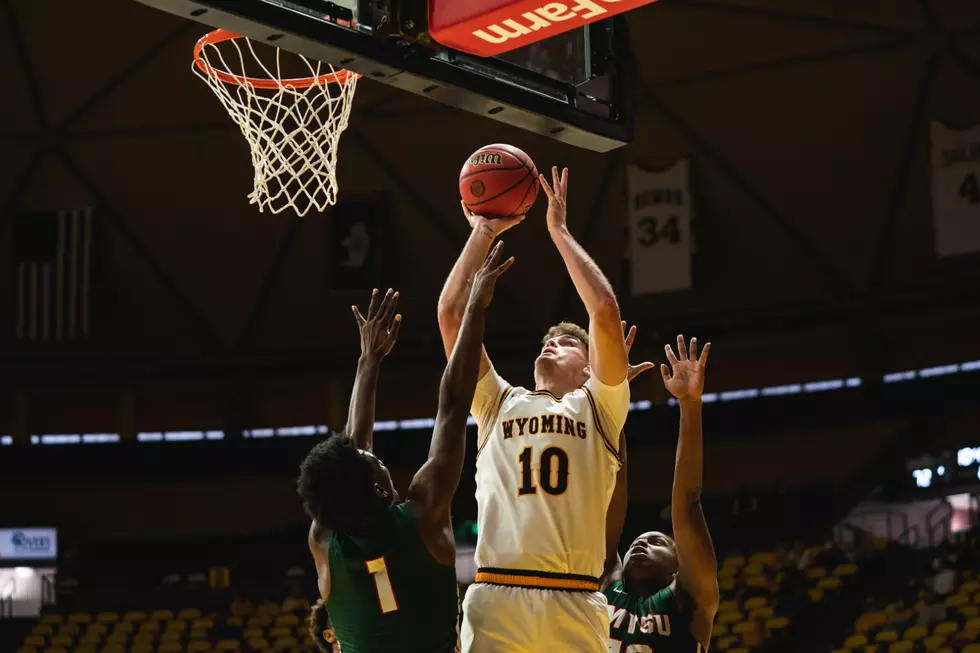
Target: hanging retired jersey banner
956, 189
660, 229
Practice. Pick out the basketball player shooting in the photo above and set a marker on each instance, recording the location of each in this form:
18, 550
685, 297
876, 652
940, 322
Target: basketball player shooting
385, 568
665, 597
547, 462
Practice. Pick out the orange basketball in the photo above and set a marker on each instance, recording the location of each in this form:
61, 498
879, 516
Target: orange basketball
499, 181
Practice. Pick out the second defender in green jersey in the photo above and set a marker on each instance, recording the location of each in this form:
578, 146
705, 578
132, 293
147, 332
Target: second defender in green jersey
664, 595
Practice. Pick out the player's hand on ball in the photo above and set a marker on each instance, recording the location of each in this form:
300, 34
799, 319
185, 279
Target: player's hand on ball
490, 227
379, 330
685, 377
634, 371
486, 277
557, 193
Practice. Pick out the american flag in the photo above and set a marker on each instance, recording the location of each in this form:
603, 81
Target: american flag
52, 259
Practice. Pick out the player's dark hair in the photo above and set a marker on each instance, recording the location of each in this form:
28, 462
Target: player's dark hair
336, 484
318, 622
568, 329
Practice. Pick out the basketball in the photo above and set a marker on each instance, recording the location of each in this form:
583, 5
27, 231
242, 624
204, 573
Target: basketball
499, 181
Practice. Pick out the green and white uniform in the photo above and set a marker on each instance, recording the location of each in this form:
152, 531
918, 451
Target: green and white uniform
652, 624
387, 592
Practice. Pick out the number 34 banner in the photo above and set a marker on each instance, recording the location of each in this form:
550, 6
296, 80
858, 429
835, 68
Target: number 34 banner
956, 190
660, 229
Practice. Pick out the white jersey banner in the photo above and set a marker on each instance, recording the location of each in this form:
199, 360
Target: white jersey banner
956, 189
660, 229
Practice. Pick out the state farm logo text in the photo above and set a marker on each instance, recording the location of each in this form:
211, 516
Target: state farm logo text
542, 18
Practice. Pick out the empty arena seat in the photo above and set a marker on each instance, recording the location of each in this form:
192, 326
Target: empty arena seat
134, 616
845, 570
956, 600
739, 650
85, 649
855, 642
969, 587
257, 643
189, 614
903, 646
198, 633
831, 583
79, 618
728, 572
161, 615
144, 639
287, 620
253, 633
64, 641
268, 609
752, 603
764, 612
933, 642
170, 636
764, 558
777, 623
969, 611
945, 628
123, 627
114, 648
726, 642
50, 618
886, 636
971, 648
227, 645
56, 649
177, 624
757, 581
753, 569
43, 630
726, 584
141, 648
26, 649
149, 626
118, 638
292, 604
198, 647
259, 621
36, 641
729, 617
816, 594
98, 628
72, 628
915, 632
816, 572
743, 627
202, 622
107, 617
170, 647
285, 643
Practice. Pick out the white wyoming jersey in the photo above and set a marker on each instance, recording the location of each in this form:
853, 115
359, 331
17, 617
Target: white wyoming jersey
545, 472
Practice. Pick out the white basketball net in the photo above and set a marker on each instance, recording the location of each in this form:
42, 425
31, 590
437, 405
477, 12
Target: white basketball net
293, 133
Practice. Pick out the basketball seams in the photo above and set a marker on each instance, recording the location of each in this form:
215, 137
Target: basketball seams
489, 170
503, 192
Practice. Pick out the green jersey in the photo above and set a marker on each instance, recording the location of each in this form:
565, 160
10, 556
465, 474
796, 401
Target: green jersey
387, 592
651, 624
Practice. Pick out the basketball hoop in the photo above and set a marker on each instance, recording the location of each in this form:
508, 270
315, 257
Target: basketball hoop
292, 125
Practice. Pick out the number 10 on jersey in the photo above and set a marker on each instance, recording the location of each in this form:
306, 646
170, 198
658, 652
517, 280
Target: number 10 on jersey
549, 471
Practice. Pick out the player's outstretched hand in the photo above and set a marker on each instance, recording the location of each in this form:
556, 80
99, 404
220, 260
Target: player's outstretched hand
634, 371
379, 330
490, 227
557, 193
486, 277
685, 377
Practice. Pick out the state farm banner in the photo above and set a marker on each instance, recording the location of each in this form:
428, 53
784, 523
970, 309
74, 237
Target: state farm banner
491, 27
956, 189
660, 229
28, 543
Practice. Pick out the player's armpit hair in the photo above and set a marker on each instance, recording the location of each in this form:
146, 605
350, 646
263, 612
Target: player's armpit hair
567, 329
336, 485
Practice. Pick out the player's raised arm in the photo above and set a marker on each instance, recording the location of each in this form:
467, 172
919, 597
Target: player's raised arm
697, 566
607, 355
436, 482
456, 291
379, 331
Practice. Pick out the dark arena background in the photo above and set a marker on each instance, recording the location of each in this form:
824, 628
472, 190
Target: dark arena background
800, 189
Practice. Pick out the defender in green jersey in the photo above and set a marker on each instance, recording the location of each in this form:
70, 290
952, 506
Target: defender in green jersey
663, 598
386, 569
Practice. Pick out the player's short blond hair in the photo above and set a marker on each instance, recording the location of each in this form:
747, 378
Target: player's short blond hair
568, 329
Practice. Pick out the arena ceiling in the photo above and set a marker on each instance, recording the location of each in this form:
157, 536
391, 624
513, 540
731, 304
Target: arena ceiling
806, 122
